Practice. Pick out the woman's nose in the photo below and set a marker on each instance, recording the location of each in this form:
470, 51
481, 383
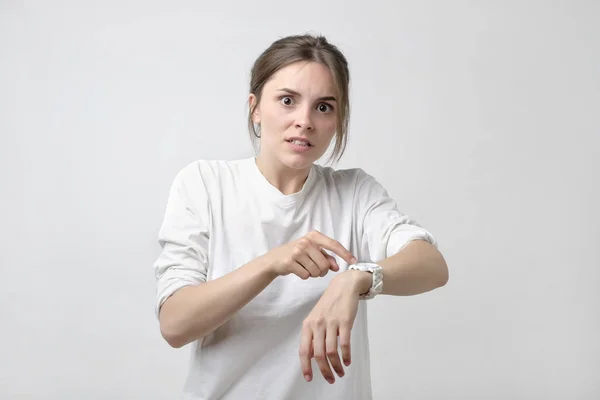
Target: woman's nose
304, 119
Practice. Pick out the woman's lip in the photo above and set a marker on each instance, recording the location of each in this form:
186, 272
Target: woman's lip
299, 148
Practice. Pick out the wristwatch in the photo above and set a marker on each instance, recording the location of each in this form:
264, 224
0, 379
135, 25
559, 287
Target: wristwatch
377, 282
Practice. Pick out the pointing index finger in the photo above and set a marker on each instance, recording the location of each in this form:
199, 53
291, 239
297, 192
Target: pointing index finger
336, 247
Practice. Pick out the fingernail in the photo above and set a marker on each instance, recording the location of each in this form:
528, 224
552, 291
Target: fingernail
330, 380
307, 377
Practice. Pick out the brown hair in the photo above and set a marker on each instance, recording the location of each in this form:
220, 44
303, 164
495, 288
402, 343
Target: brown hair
291, 49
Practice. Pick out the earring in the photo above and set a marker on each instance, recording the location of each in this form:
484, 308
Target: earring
256, 128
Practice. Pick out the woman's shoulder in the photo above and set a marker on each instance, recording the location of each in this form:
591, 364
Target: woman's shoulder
346, 177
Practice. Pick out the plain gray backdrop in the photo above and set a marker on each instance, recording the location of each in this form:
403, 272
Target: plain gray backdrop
480, 117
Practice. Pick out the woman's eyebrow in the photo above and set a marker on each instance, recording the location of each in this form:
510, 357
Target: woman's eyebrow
293, 92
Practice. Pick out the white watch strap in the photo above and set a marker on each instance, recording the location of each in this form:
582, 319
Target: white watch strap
377, 278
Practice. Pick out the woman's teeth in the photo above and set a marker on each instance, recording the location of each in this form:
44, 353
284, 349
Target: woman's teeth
299, 142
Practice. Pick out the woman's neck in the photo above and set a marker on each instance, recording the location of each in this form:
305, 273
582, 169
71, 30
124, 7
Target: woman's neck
285, 179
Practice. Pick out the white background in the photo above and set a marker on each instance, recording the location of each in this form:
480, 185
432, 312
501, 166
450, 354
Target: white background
481, 118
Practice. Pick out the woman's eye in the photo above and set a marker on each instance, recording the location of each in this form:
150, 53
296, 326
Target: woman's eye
324, 107
287, 101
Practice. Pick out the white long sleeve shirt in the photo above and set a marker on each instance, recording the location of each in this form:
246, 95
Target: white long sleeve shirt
222, 214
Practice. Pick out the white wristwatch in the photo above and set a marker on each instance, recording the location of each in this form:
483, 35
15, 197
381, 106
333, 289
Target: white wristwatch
377, 282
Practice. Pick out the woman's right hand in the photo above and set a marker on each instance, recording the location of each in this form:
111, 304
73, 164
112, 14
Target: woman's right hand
305, 257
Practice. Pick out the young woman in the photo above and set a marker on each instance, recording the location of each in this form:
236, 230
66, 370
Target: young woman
266, 261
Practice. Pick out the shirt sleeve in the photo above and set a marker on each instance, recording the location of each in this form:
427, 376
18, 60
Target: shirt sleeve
183, 236
383, 229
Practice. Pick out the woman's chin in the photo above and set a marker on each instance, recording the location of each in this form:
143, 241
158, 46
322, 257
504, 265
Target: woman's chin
298, 161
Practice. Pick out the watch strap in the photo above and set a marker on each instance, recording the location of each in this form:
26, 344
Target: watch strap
376, 278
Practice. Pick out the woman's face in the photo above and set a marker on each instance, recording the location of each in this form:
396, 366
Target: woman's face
297, 114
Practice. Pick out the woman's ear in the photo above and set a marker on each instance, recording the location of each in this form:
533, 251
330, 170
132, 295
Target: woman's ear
253, 102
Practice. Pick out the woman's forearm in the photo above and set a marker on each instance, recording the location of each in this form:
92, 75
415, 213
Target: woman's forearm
417, 268
195, 311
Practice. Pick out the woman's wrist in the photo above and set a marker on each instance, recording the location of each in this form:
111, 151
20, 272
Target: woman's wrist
359, 281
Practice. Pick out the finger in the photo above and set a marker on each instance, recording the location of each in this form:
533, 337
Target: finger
344, 332
320, 355
333, 263
331, 347
320, 260
309, 265
305, 353
335, 246
300, 271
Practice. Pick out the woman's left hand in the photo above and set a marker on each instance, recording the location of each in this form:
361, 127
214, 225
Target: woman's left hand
332, 316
